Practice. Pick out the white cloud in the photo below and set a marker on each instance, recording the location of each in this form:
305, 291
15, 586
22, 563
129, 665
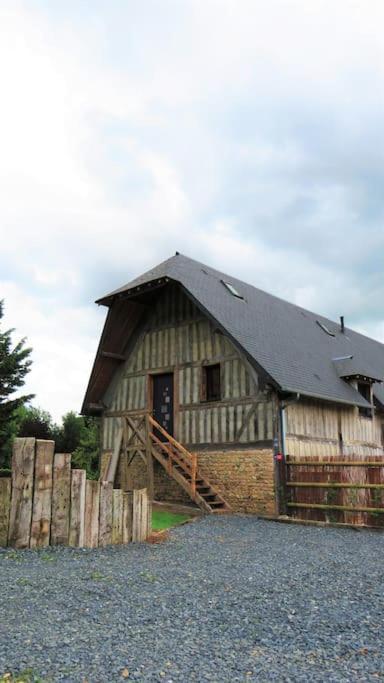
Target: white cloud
243, 133
63, 342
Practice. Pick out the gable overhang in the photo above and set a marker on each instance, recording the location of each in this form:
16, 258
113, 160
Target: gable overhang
133, 291
122, 320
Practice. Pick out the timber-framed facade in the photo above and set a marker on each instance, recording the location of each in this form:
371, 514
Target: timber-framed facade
178, 346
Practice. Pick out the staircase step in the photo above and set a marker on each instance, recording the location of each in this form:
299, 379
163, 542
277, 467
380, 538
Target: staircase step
203, 494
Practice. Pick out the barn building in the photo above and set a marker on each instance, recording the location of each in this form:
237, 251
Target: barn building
201, 380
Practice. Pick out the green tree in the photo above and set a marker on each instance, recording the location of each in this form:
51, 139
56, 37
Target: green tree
35, 422
15, 363
86, 455
80, 436
68, 436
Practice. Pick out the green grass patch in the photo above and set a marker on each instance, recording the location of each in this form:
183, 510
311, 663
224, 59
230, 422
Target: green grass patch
25, 676
162, 519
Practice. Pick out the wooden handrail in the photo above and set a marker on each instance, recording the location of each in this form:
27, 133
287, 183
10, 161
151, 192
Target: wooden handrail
169, 438
186, 460
193, 474
169, 452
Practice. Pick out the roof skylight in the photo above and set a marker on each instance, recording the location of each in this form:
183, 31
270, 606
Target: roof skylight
232, 289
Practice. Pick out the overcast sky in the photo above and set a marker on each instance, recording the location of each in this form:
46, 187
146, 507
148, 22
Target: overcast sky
245, 133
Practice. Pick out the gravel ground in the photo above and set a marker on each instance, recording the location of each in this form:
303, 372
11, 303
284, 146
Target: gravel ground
227, 598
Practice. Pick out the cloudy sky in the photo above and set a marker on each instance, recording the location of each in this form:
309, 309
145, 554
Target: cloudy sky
244, 133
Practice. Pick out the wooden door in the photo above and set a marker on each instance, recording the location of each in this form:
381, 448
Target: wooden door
163, 402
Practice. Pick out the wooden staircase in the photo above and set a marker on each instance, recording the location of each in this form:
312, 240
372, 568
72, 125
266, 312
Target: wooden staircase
180, 464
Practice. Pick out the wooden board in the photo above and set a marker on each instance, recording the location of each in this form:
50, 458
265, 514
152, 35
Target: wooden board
105, 459
92, 502
42, 494
112, 466
61, 499
5, 506
127, 517
23, 462
105, 517
117, 516
76, 523
140, 515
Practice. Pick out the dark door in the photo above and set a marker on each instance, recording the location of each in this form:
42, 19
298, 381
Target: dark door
163, 403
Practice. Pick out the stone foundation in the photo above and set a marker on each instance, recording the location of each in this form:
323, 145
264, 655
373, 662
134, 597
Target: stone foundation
245, 478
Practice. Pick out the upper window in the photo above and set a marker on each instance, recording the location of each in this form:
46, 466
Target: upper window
211, 389
232, 289
365, 390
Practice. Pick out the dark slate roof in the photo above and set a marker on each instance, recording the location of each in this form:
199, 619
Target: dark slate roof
287, 341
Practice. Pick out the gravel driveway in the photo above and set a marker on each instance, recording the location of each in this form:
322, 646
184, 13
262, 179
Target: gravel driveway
229, 598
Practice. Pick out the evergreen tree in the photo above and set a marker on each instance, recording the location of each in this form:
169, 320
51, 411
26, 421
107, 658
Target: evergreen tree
15, 363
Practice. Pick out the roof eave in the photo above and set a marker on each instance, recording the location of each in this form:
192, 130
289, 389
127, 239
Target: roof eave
360, 403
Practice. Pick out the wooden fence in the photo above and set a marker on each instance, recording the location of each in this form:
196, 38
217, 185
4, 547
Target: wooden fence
45, 502
347, 489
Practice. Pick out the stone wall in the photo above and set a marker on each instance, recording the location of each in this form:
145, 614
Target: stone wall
245, 478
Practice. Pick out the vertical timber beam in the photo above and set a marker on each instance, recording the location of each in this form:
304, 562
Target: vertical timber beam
149, 459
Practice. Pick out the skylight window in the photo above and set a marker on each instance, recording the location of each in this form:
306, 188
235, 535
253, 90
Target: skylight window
232, 289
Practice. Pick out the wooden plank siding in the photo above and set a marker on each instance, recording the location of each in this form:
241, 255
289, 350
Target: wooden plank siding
319, 429
176, 338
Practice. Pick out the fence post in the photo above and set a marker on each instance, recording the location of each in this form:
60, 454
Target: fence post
23, 463
281, 482
42, 494
91, 522
5, 506
76, 525
105, 518
127, 517
61, 499
117, 516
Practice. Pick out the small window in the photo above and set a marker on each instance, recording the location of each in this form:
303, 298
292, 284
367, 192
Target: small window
365, 390
211, 390
232, 289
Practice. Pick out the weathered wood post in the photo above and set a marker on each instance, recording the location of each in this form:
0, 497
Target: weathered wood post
117, 516
105, 518
23, 464
5, 506
61, 499
42, 494
127, 517
76, 525
92, 502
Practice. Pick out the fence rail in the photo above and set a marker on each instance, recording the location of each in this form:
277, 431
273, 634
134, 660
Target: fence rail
45, 502
345, 489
